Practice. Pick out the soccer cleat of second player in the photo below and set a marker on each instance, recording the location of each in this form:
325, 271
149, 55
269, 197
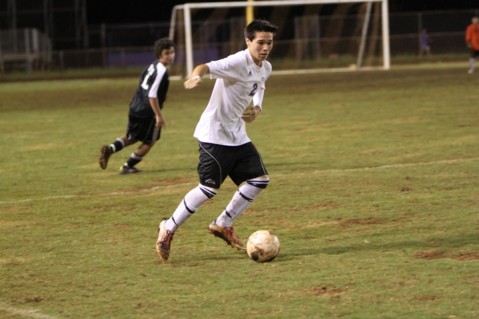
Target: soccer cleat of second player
125, 169
105, 154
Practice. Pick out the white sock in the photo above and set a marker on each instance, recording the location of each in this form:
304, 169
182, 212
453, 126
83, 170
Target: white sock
241, 200
190, 203
472, 64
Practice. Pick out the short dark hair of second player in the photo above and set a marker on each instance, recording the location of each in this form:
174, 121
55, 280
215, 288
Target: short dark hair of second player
259, 25
163, 44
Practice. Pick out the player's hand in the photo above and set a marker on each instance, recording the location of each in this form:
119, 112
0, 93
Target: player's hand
250, 114
192, 82
160, 122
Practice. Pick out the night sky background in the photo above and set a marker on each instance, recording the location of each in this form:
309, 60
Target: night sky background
143, 11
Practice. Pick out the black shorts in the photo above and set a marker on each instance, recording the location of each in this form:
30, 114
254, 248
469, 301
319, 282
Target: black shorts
240, 163
474, 53
142, 129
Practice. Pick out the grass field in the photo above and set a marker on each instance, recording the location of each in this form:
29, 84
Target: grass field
374, 195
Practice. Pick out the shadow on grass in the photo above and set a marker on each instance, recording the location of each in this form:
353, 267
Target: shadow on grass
439, 243
444, 243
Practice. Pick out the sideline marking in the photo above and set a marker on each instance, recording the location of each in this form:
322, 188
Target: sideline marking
30, 313
27, 200
453, 161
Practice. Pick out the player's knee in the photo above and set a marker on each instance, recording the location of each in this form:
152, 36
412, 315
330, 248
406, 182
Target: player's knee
259, 182
209, 192
127, 141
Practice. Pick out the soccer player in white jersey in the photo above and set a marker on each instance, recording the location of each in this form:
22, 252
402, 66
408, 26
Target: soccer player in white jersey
144, 116
225, 149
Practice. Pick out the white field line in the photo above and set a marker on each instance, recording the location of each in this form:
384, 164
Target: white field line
27, 313
326, 171
453, 161
26, 200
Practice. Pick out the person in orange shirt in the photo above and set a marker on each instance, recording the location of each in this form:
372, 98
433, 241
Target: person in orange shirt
472, 40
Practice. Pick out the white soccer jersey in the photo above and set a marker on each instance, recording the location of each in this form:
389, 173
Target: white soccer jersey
238, 82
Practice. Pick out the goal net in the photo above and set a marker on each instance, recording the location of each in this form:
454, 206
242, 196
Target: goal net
313, 35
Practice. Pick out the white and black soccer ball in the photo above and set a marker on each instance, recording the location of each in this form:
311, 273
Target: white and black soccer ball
262, 246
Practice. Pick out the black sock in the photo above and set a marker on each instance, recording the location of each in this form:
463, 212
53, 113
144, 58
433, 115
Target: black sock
134, 159
117, 146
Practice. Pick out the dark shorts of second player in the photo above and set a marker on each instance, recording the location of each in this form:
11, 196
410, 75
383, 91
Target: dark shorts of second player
143, 129
474, 53
240, 163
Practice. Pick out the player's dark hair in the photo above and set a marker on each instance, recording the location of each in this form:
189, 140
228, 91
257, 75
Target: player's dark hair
163, 44
259, 25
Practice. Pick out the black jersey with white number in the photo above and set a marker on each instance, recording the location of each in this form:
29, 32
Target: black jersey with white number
154, 82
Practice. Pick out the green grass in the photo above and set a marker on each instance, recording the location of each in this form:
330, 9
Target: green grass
374, 196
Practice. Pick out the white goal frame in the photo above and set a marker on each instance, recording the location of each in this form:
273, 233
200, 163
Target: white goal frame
211, 5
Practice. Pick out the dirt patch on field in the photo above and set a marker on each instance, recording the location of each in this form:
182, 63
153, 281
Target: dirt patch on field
430, 254
312, 207
359, 221
467, 256
340, 222
427, 298
328, 291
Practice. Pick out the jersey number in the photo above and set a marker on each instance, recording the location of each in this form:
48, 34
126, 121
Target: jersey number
151, 70
253, 91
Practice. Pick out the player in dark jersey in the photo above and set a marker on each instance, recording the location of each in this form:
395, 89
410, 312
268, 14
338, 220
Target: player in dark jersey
144, 117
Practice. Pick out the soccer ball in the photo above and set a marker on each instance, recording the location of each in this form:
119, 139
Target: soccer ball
262, 246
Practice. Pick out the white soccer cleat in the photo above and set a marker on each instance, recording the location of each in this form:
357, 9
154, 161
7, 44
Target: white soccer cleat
163, 242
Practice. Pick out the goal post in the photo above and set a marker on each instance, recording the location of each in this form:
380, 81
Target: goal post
187, 9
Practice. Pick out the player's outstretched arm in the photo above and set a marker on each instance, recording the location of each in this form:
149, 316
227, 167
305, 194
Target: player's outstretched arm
195, 78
